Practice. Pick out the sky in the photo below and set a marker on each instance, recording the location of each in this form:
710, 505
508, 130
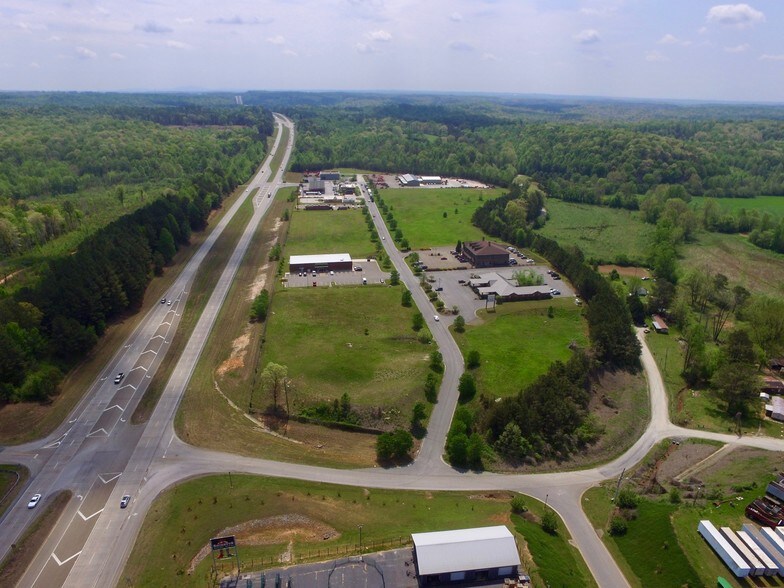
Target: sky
660, 49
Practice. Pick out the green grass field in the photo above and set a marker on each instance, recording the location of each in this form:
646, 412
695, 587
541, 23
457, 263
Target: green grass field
329, 231
356, 340
420, 214
183, 519
518, 342
758, 270
771, 204
601, 233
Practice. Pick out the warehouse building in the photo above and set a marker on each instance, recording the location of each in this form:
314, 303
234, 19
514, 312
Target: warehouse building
465, 555
339, 262
430, 180
331, 175
485, 254
408, 180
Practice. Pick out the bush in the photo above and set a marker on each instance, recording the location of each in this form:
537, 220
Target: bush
518, 504
466, 388
459, 324
675, 496
628, 499
550, 522
472, 359
431, 394
618, 527
395, 445
258, 310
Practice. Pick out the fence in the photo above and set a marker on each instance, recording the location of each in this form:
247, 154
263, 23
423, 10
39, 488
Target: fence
227, 568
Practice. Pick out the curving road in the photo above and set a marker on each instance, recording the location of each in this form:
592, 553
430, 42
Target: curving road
100, 458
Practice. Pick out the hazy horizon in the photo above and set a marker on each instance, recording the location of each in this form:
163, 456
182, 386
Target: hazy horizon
614, 49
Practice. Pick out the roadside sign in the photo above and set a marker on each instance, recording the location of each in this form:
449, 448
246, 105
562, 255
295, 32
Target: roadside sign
223, 542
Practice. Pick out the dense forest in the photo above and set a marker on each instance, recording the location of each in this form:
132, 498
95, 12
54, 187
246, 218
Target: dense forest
186, 158
51, 156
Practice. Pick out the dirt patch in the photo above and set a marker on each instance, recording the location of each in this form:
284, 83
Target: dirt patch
632, 272
499, 496
272, 530
237, 358
684, 457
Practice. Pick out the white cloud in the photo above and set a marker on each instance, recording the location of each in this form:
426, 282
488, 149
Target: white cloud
239, 21
380, 35
489, 57
655, 56
587, 37
461, 46
769, 57
188, 20
277, 40
178, 45
456, 17
737, 48
117, 56
153, 27
365, 48
669, 39
85, 53
34, 65
735, 15
290, 53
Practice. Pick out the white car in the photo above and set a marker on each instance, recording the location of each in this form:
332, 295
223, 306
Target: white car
436, 317
34, 501
125, 500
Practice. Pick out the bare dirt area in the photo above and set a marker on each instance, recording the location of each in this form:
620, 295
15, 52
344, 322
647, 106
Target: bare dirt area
236, 360
683, 458
631, 272
273, 530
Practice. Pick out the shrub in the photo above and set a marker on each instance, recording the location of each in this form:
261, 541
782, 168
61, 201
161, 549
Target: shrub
618, 527
550, 522
518, 504
628, 499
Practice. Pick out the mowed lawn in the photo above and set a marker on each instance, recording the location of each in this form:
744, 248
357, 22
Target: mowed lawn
310, 516
328, 231
419, 213
602, 233
356, 340
518, 342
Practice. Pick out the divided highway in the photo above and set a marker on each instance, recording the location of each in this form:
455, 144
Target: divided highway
100, 458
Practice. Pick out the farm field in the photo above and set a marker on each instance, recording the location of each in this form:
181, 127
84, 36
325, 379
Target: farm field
420, 214
758, 270
518, 342
354, 340
734, 478
329, 231
771, 204
607, 235
274, 519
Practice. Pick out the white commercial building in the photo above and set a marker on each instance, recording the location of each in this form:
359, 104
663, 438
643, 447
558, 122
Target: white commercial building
474, 555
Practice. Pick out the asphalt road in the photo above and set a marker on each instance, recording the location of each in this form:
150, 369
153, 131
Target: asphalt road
86, 458
97, 443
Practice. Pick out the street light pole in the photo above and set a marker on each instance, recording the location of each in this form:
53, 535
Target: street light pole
360, 537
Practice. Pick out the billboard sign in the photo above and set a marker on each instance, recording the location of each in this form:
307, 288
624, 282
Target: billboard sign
222, 543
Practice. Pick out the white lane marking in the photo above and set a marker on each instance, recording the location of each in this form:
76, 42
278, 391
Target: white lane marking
84, 518
66, 560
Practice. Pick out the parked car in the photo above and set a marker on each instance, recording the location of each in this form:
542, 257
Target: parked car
125, 500
357, 268
34, 501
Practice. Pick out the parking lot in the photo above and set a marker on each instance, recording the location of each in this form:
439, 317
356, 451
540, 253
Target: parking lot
369, 270
455, 293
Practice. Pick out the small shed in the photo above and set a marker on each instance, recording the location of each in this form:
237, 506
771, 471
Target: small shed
775, 409
772, 385
465, 555
659, 325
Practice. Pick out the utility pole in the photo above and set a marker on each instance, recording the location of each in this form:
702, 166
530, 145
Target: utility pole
618, 486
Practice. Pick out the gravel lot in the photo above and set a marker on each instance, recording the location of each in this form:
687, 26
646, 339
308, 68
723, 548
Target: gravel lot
370, 271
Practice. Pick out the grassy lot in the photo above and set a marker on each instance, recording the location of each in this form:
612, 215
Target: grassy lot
356, 340
213, 412
602, 233
12, 479
699, 409
420, 214
670, 530
329, 231
556, 561
23, 551
518, 342
313, 518
758, 270
774, 205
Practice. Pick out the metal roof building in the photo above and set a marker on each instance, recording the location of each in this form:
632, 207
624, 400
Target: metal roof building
483, 553
323, 262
